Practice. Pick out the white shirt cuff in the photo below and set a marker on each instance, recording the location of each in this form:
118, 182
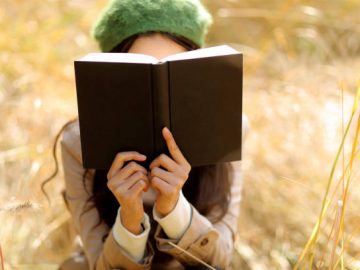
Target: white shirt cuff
131, 243
178, 220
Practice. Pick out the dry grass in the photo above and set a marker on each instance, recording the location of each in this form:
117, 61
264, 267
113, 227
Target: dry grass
302, 62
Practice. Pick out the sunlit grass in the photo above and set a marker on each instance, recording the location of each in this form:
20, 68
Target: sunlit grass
306, 259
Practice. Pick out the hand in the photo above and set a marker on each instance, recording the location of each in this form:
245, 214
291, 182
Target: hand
168, 182
126, 184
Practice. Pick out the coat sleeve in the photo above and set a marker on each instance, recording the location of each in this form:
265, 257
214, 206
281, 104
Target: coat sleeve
100, 254
212, 243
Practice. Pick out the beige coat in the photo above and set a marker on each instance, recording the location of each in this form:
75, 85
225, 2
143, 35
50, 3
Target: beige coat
213, 243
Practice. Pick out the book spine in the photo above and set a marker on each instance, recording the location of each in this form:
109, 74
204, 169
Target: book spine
161, 105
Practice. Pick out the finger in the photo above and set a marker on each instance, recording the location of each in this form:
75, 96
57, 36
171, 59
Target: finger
168, 177
120, 158
162, 186
172, 146
133, 179
138, 188
130, 169
166, 162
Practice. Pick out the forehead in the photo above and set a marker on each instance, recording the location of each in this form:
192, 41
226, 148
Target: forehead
156, 44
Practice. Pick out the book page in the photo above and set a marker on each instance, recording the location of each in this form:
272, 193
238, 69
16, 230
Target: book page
120, 58
200, 53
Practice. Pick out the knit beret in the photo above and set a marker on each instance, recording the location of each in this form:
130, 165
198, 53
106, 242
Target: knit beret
121, 19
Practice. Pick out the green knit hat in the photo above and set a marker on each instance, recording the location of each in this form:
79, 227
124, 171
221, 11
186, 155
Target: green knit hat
121, 19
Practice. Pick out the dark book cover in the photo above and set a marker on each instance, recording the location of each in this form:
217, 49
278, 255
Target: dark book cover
123, 106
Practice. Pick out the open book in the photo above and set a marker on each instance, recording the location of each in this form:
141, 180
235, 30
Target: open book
125, 99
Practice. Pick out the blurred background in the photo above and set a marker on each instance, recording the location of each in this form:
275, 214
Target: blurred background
302, 68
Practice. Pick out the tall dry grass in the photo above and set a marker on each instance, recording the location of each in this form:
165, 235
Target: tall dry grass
302, 66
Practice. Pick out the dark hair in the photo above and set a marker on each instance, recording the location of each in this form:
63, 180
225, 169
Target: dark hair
206, 188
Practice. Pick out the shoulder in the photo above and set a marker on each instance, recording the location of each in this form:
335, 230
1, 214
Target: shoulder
245, 127
70, 139
236, 181
72, 162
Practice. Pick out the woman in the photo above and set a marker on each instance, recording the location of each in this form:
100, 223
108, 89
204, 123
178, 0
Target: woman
127, 216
